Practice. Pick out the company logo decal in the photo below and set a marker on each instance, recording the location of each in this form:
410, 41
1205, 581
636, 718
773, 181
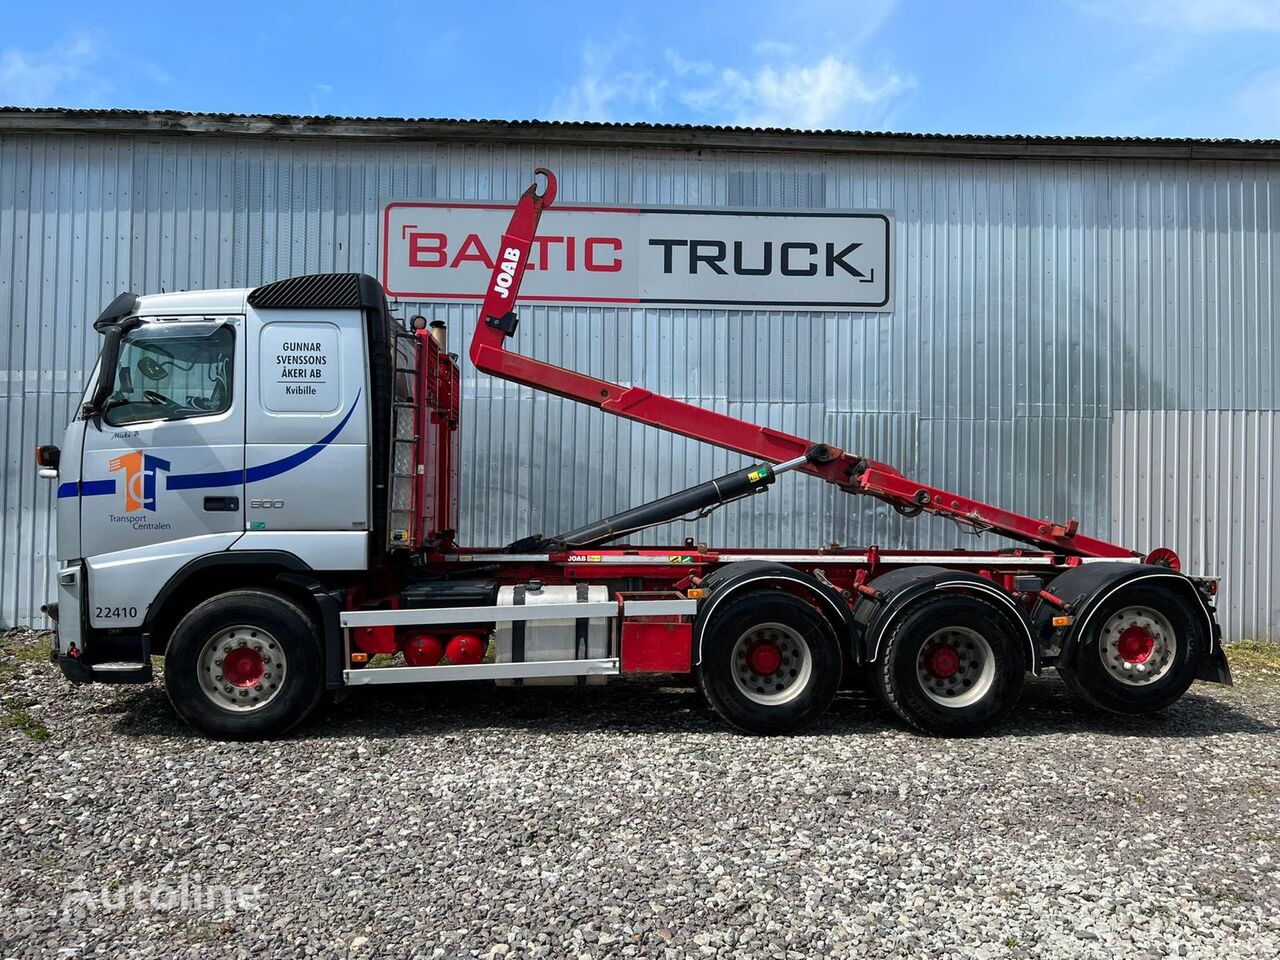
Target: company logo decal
140, 473
510, 261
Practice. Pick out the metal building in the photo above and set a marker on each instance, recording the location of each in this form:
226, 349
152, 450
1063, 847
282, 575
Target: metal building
1079, 327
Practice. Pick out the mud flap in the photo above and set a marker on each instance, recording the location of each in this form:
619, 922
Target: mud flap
1215, 668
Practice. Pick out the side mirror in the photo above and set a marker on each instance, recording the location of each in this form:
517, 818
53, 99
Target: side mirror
48, 457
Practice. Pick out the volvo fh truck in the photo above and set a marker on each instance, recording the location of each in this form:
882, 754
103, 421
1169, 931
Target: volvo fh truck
261, 486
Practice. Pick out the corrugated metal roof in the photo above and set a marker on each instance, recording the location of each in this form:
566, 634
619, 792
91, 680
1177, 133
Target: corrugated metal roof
583, 133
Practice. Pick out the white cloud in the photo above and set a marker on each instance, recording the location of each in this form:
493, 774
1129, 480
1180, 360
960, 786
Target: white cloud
1200, 16
683, 68
829, 93
319, 93
604, 92
59, 75
779, 90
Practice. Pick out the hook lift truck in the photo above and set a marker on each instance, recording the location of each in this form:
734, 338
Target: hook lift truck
262, 485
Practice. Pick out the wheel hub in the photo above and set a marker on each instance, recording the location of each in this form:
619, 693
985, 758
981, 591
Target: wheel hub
942, 661
764, 658
956, 666
243, 667
1135, 644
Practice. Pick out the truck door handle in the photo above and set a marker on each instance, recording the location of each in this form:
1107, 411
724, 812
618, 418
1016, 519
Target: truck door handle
224, 504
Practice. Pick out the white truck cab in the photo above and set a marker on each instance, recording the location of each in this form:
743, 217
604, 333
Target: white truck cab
220, 427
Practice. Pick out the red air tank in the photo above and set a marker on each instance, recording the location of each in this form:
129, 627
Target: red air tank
464, 648
423, 649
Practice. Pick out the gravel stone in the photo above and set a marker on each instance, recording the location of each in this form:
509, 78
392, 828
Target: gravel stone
626, 821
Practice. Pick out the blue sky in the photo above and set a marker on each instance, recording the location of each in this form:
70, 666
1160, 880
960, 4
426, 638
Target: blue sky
1112, 67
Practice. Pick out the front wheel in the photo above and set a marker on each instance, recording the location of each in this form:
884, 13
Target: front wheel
1140, 652
770, 663
245, 665
952, 665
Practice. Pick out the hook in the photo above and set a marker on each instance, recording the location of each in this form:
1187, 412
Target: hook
548, 195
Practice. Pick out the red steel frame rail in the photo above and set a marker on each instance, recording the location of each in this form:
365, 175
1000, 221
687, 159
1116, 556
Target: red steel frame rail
851, 473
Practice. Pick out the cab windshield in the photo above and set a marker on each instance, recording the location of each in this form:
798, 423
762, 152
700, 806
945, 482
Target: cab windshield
171, 371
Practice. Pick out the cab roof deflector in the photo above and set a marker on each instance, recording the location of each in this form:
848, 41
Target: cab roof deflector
318, 291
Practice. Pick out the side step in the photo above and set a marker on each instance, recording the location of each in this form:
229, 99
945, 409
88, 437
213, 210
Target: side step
122, 672
483, 671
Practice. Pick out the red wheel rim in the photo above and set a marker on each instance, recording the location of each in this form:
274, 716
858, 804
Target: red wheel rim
764, 658
942, 661
243, 667
1135, 644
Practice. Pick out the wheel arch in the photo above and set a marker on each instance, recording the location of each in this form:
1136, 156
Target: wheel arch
744, 576
211, 574
1087, 588
899, 589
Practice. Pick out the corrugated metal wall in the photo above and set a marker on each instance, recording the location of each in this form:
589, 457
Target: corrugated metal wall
1072, 338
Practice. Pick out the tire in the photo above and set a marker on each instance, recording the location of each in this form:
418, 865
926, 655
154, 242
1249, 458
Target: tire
952, 665
272, 679
1162, 676
805, 654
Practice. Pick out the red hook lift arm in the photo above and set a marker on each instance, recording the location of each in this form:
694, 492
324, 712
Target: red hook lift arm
852, 474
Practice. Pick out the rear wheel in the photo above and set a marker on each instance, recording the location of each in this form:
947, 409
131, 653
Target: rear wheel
1140, 653
770, 663
951, 665
244, 665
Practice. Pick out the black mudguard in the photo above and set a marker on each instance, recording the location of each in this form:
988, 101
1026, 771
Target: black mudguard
734, 578
1083, 588
897, 589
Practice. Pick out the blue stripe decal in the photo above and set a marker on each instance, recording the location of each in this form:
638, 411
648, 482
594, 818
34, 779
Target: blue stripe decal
89, 488
264, 471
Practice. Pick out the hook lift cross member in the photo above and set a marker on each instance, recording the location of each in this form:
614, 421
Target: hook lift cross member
945, 637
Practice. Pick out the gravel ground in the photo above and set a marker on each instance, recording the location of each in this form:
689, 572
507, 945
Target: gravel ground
626, 821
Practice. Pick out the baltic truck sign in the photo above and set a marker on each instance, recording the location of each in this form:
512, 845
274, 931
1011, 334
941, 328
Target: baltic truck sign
828, 260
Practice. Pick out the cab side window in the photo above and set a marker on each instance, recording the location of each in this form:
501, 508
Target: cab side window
172, 372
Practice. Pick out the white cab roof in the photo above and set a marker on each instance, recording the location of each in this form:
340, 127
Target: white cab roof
194, 302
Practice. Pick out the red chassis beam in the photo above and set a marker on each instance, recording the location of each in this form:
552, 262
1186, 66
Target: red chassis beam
853, 474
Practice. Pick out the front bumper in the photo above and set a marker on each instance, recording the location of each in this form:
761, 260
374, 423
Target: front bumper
87, 656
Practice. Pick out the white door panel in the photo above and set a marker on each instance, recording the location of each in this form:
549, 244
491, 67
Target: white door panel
165, 475
307, 433
68, 508
324, 486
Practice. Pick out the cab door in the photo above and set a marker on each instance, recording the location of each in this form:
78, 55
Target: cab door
306, 436
162, 467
